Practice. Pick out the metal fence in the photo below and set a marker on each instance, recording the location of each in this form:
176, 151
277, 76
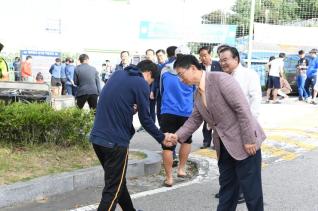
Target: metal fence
267, 27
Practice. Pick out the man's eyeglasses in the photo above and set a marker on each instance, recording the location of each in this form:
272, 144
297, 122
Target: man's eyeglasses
180, 74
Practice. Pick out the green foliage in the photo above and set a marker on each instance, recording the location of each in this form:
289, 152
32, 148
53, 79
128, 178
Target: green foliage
36, 123
266, 11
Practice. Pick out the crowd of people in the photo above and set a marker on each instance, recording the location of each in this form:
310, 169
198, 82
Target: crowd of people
181, 92
306, 77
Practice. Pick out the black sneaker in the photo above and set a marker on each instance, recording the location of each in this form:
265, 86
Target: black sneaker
204, 147
175, 163
141, 129
217, 196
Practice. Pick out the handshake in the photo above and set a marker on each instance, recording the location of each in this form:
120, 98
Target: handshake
170, 140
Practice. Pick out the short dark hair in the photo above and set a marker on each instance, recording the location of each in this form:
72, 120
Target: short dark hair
207, 48
171, 51
57, 60
104, 64
1, 46
28, 57
160, 50
148, 66
83, 57
121, 53
150, 50
234, 52
185, 61
17, 58
107, 60
271, 58
301, 52
220, 47
69, 59
282, 55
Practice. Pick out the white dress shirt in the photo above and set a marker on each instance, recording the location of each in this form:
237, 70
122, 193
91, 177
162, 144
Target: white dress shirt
251, 86
207, 68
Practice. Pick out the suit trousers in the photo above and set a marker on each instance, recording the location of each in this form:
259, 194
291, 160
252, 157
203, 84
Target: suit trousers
240, 173
207, 135
153, 109
91, 100
114, 161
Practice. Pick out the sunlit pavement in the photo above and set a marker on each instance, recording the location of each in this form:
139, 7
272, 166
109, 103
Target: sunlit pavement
291, 129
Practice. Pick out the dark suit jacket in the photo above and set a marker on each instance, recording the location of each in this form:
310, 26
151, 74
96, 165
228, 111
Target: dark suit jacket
87, 80
215, 66
228, 113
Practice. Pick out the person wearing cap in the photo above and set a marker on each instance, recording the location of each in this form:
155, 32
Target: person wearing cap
311, 74
237, 135
176, 107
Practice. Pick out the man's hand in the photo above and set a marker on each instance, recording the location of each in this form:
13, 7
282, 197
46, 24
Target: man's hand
152, 96
170, 140
250, 149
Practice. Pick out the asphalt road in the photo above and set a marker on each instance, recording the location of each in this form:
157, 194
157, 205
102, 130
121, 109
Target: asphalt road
290, 169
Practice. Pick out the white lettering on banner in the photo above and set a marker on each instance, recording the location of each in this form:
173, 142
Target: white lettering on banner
289, 35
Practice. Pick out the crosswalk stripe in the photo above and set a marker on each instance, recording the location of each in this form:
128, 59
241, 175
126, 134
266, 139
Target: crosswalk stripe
276, 152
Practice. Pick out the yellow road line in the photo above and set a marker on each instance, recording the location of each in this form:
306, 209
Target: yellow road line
206, 153
276, 152
288, 140
298, 131
264, 165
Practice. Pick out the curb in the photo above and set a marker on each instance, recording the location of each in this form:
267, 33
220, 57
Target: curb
207, 171
80, 179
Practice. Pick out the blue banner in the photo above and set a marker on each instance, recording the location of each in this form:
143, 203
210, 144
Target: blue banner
210, 33
39, 53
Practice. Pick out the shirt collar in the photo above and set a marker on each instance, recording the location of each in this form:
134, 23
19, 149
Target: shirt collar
202, 82
238, 68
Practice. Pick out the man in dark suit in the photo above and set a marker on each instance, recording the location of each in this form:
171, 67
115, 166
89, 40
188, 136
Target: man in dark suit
125, 61
87, 81
208, 65
237, 135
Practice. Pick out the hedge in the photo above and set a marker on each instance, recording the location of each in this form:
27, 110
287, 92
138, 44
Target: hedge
37, 123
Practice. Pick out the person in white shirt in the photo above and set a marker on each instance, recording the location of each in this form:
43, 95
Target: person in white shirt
247, 78
276, 71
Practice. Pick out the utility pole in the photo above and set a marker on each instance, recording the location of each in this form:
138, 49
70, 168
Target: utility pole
251, 34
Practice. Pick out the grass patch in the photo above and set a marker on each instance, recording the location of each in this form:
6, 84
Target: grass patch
136, 155
25, 163
29, 162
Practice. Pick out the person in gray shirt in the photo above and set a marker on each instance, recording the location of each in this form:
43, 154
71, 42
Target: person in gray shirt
87, 81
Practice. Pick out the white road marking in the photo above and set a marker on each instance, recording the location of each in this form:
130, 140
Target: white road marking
208, 170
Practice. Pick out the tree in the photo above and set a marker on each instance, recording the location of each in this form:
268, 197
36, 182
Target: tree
266, 11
